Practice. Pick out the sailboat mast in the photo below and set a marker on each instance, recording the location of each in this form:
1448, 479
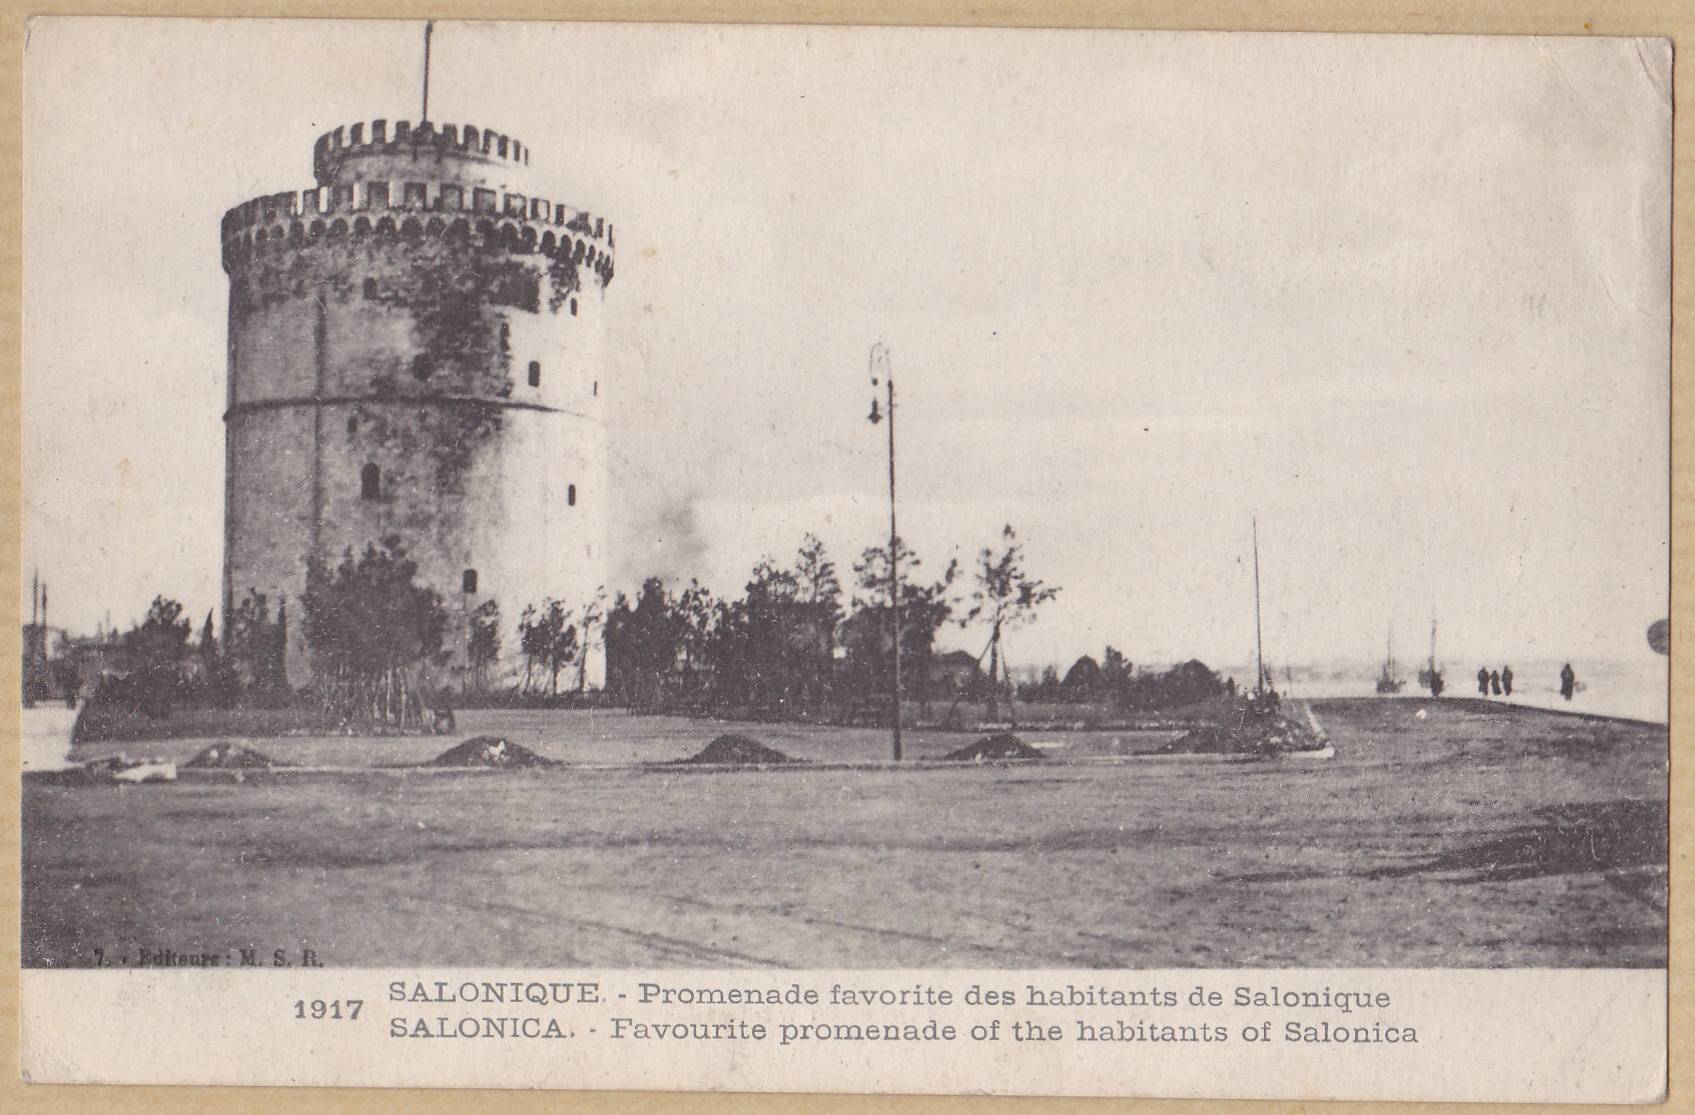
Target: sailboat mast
1259, 642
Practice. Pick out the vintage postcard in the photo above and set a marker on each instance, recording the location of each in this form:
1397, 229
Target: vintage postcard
846, 559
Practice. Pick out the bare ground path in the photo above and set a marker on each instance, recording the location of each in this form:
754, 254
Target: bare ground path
1481, 835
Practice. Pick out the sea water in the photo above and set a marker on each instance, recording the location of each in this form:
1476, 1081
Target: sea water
1637, 688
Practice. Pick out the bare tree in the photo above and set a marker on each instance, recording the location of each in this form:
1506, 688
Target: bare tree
1006, 597
593, 613
564, 648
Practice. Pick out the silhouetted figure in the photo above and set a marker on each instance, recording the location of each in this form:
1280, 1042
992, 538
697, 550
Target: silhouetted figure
1507, 680
1568, 681
1495, 683
1483, 681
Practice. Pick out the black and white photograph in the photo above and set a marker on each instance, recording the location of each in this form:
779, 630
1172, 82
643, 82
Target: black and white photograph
515, 496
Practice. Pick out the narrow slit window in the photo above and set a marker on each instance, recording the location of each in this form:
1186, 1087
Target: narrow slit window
535, 373
570, 495
370, 482
352, 423
573, 307
468, 583
370, 289
421, 367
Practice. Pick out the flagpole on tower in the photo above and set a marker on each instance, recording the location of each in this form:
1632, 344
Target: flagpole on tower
429, 29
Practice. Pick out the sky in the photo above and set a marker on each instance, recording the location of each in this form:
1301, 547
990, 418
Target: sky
1405, 300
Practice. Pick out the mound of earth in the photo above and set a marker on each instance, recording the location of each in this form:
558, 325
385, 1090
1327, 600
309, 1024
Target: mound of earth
734, 749
231, 756
1001, 745
489, 751
1252, 735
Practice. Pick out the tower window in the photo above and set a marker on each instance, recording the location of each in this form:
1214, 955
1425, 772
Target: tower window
573, 307
535, 373
370, 289
353, 423
468, 583
570, 495
596, 391
421, 367
370, 482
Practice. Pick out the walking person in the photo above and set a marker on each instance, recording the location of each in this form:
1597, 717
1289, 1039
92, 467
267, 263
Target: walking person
1495, 683
1483, 681
1568, 681
1507, 680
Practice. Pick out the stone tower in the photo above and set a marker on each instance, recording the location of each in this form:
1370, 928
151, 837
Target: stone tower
415, 352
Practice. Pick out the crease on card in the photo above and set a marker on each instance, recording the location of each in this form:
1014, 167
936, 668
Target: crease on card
1658, 68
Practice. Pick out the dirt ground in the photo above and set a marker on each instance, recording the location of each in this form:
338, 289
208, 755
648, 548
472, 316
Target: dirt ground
1480, 836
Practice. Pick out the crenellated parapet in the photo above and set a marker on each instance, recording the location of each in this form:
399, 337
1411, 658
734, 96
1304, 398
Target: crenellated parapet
335, 148
495, 219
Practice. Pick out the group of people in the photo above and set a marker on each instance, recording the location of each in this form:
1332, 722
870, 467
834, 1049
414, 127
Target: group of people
1499, 683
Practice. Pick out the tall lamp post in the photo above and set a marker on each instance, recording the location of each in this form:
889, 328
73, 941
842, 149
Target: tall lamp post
881, 375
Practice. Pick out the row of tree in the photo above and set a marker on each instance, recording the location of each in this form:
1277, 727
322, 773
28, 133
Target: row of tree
794, 641
373, 631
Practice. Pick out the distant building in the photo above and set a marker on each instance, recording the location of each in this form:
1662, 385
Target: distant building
88, 658
58, 666
954, 672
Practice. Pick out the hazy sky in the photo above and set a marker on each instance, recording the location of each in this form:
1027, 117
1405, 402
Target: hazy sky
1407, 299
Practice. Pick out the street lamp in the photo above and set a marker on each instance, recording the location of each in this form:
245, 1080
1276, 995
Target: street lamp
881, 374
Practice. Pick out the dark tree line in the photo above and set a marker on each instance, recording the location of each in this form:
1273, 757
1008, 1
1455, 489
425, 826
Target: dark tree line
158, 654
772, 648
375, 635
158, 663
797, 640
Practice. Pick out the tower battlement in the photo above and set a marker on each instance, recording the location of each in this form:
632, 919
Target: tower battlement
510, 221
335, 148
